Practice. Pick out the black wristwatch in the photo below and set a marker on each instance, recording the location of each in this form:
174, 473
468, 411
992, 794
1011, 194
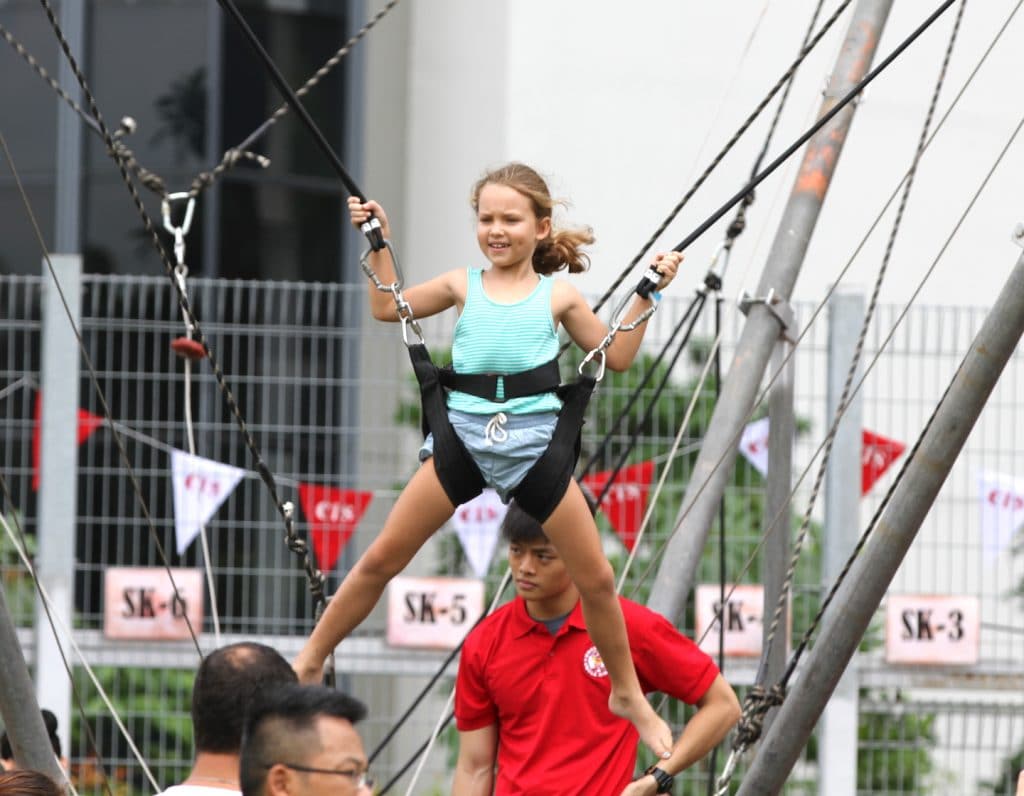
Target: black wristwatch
664, 779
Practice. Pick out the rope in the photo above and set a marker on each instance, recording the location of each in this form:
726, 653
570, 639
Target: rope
828, 293
296, 544
847, 98
739, 221
56, 621
94, 380
694, 309
782, 81
14, 386
232, 156
205, 179
423, 692
79, 704
181, 273
798, 652
851, 372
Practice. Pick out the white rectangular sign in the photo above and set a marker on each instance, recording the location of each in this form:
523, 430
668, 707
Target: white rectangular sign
742, 619
931, 629
139, 603
434, 613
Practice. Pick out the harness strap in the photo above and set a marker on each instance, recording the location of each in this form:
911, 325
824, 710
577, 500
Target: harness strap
541, 379
459, 476
544, 486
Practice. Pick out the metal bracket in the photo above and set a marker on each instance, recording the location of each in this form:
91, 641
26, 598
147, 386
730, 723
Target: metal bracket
778, 307
1018, 235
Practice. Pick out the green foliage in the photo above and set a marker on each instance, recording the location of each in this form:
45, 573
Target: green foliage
19, 590
145, 701
894, 749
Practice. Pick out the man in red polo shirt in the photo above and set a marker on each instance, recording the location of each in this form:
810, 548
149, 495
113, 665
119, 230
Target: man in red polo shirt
532, 692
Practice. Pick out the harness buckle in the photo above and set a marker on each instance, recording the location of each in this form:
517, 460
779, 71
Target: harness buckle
407, 322
595, 354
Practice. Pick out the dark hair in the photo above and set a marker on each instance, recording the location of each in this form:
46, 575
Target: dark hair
227, 682
25, 782
563, 247
7, 753
518, 527
281, 724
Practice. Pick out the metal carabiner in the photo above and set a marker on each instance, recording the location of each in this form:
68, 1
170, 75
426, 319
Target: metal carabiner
364, 263
616, 324
179, 232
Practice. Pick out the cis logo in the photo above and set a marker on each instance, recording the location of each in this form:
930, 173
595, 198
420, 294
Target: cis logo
1005, 499
330, 511
197, 482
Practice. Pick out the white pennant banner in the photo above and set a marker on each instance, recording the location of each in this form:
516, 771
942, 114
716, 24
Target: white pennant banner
754, 445
1001, 499
476, 524
200, 487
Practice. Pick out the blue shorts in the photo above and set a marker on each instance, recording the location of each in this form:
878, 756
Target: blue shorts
503, 446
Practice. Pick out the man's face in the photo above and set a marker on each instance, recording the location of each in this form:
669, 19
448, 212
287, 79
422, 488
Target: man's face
538, 570
339, 765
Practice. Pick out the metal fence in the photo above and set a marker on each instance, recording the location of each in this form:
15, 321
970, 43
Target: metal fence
330, 400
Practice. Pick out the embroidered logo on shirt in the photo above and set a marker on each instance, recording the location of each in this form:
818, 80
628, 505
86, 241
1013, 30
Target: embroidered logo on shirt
592, 663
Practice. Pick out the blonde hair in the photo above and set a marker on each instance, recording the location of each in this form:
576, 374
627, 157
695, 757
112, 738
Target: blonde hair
562, 249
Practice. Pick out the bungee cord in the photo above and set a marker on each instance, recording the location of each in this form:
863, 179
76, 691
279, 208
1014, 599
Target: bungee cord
94, 381
759, 177
754, 725
1, 394
296, 544
779, 84
841, 275
760, 699
232, 156
859, 347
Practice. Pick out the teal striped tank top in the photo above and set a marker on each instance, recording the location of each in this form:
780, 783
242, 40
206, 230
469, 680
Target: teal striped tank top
491, 337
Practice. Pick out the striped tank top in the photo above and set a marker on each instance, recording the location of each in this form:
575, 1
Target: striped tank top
491, 337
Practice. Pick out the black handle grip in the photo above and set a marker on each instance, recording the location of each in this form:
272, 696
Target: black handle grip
649, 282
371, 229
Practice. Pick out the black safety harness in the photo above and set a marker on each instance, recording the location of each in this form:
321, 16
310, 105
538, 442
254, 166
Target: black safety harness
544, 485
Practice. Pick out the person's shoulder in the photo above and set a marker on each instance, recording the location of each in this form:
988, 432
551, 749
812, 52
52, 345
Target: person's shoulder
495, 624
197, 790
639, 616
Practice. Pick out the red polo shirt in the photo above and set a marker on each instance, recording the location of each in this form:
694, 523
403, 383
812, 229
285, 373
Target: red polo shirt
548, 696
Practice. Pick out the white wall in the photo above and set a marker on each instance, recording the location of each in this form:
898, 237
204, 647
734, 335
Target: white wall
621, 105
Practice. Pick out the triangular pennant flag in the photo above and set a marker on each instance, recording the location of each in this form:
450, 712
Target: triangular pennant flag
626, 501
877, 453
200, 487
476, 524
1001, 499
87, 424
754, 445
332, 514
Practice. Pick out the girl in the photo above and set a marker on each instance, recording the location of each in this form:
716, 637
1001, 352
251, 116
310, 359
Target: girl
508, 320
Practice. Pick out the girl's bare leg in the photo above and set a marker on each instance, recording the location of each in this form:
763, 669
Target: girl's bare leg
572, 530
421, 509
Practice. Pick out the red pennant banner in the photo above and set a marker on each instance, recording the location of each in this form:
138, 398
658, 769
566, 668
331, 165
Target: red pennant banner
332, 514
87, 424
626, 501
877, 454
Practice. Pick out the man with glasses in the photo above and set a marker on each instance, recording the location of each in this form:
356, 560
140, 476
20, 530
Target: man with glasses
300, 741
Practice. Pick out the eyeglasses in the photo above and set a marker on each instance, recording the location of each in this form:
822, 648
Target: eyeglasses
361, 779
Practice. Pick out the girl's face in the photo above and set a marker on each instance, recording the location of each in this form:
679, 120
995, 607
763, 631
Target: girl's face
506, 228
